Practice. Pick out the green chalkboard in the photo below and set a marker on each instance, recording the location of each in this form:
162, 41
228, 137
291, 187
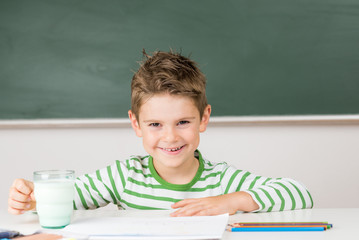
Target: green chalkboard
74, 58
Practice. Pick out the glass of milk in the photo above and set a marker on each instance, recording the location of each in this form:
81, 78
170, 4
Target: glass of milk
54, 194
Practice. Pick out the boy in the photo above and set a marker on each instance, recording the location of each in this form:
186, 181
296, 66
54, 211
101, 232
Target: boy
169, 110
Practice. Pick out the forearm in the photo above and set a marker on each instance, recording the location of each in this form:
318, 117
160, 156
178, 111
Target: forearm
281, 194
90, 193
241, 201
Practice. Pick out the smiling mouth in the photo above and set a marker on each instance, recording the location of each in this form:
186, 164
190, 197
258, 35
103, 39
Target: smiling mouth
172, 149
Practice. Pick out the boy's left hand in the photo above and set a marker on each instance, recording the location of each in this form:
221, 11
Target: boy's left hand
228, 203
201, 207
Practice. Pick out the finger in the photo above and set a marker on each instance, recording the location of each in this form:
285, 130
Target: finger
18, 205
206, 212
183, 203
15, 211
188, 210
186, 213
18, 196
23, 186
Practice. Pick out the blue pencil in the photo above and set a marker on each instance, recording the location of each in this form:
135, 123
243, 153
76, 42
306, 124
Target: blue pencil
276, 229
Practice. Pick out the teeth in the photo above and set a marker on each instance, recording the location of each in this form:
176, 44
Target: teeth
172, 149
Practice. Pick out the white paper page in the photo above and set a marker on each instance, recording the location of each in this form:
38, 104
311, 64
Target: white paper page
206, 227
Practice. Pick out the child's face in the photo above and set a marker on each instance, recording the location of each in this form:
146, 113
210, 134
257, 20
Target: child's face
170, 126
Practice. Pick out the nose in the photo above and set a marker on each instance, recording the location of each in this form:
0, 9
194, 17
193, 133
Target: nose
169, 134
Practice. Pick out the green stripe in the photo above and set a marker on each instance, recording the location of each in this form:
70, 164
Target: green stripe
258, 198
242, 181
281, 198
140, 172
205, 188
98, 174
211, 168
113, 183
147, 196
92, 198
270, 199
149, 185
254, 182
301, 195
210, 175
265, 182
311, 199
153, 186
289, 192
74, 205
234, 175
140, 161
119, 170
222, 174
93, 186
79, 192
140, 207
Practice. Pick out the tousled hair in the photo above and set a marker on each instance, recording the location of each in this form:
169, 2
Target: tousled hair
168, 72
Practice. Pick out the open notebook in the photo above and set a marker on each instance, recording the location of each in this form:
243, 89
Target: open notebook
206, 227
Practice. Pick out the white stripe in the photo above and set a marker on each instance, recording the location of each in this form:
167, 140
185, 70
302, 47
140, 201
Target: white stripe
171, 193
101, 188
249, 180
298, 200
285, 195
85, 194
274, 196
237, 180
304, 192
260, 182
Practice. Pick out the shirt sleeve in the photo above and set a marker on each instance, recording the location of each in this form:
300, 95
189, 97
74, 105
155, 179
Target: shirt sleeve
101, 187
271, 194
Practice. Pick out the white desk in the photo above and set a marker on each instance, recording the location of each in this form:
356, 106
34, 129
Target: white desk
345, 222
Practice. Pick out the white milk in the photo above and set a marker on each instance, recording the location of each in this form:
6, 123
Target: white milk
54, 202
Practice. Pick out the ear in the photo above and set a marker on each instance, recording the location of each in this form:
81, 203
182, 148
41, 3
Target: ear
134, 123
205, 118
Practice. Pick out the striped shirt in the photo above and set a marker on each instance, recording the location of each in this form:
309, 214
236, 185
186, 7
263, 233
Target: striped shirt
135, 184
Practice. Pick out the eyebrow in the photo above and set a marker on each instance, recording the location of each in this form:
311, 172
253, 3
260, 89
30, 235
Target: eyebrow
181, 119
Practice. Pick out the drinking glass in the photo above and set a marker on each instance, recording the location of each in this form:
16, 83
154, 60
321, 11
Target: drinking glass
54, 194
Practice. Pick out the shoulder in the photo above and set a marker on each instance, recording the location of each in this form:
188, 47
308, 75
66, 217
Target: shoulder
134, 163
218, 168
214, 165
208, 165
223, 167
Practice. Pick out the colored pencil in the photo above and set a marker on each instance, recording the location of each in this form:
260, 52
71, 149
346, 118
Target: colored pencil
283, 224
278, 226
275, 229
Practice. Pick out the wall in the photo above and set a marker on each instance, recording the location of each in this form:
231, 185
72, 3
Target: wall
323, 157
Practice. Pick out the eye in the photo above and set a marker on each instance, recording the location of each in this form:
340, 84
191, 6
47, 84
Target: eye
154, 124
183, 122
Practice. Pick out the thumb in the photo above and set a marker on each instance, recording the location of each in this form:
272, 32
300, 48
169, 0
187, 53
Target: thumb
33, 201
32, 196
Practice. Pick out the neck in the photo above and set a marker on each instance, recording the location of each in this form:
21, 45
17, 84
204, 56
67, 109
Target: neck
182, 175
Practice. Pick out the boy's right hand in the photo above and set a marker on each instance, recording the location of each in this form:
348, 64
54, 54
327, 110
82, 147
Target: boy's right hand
21, 197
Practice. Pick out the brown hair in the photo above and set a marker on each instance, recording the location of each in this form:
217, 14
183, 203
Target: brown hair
168, 72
